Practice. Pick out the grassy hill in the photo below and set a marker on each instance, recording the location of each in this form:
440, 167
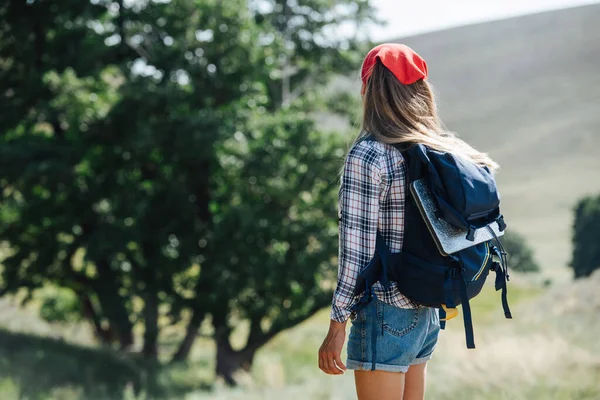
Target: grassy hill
527, 90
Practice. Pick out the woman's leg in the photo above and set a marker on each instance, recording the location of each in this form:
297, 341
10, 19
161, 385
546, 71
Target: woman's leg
414, 384
379, 385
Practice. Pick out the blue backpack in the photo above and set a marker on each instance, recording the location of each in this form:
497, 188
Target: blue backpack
467, 198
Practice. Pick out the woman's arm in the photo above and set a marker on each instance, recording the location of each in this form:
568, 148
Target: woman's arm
358, 222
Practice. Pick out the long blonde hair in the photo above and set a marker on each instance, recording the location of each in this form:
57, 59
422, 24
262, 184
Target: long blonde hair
395, 113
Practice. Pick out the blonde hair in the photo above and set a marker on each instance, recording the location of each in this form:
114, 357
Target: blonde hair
395, 113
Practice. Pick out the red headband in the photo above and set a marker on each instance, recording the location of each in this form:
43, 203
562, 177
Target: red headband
400, 59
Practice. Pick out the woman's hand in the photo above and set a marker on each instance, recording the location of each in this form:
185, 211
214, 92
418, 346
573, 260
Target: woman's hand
330, 361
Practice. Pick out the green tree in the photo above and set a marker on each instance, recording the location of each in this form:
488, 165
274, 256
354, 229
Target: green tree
586, 230
520, 253
159, 159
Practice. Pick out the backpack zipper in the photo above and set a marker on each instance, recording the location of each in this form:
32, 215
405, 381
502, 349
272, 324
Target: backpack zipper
485, 261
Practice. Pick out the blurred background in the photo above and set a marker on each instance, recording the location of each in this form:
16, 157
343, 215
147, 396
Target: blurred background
169, 173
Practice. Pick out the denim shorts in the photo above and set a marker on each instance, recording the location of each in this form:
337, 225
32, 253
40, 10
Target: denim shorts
387, 338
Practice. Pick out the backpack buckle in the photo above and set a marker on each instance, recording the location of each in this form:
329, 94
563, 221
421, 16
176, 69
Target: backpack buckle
471, 233
454, 273
495, 266
501, 223
496, 251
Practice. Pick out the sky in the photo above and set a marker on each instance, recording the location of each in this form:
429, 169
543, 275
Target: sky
407, 18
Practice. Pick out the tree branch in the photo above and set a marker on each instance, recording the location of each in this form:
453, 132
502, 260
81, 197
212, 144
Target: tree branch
279, 326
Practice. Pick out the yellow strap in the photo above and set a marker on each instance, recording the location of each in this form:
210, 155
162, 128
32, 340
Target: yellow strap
450, 313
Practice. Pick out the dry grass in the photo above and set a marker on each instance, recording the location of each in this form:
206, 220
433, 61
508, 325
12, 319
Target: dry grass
15, 318
538, 355
549, 351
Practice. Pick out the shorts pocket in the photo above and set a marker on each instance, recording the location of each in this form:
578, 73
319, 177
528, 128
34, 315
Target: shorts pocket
397, 321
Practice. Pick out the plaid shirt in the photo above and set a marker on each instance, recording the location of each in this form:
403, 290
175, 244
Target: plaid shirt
371, 197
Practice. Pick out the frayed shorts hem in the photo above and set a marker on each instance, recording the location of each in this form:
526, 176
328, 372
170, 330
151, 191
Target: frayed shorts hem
367, 366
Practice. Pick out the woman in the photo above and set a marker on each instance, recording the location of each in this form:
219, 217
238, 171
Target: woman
398, 109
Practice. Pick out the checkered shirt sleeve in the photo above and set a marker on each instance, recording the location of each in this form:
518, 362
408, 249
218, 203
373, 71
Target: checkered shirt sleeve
371, 197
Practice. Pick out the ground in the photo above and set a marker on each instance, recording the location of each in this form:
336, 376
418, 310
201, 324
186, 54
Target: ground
548, 351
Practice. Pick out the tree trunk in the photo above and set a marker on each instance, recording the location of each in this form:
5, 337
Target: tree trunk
150, 312
114, 309
113, 305
103, 335
125, 336
230, 361
191, 333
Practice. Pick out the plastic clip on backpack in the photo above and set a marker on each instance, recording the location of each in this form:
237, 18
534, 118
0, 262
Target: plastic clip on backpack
466, 198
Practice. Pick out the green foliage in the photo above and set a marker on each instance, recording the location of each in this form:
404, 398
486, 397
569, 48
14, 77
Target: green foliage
276, 203
520, 254
60, 305
158, 161
586, 230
